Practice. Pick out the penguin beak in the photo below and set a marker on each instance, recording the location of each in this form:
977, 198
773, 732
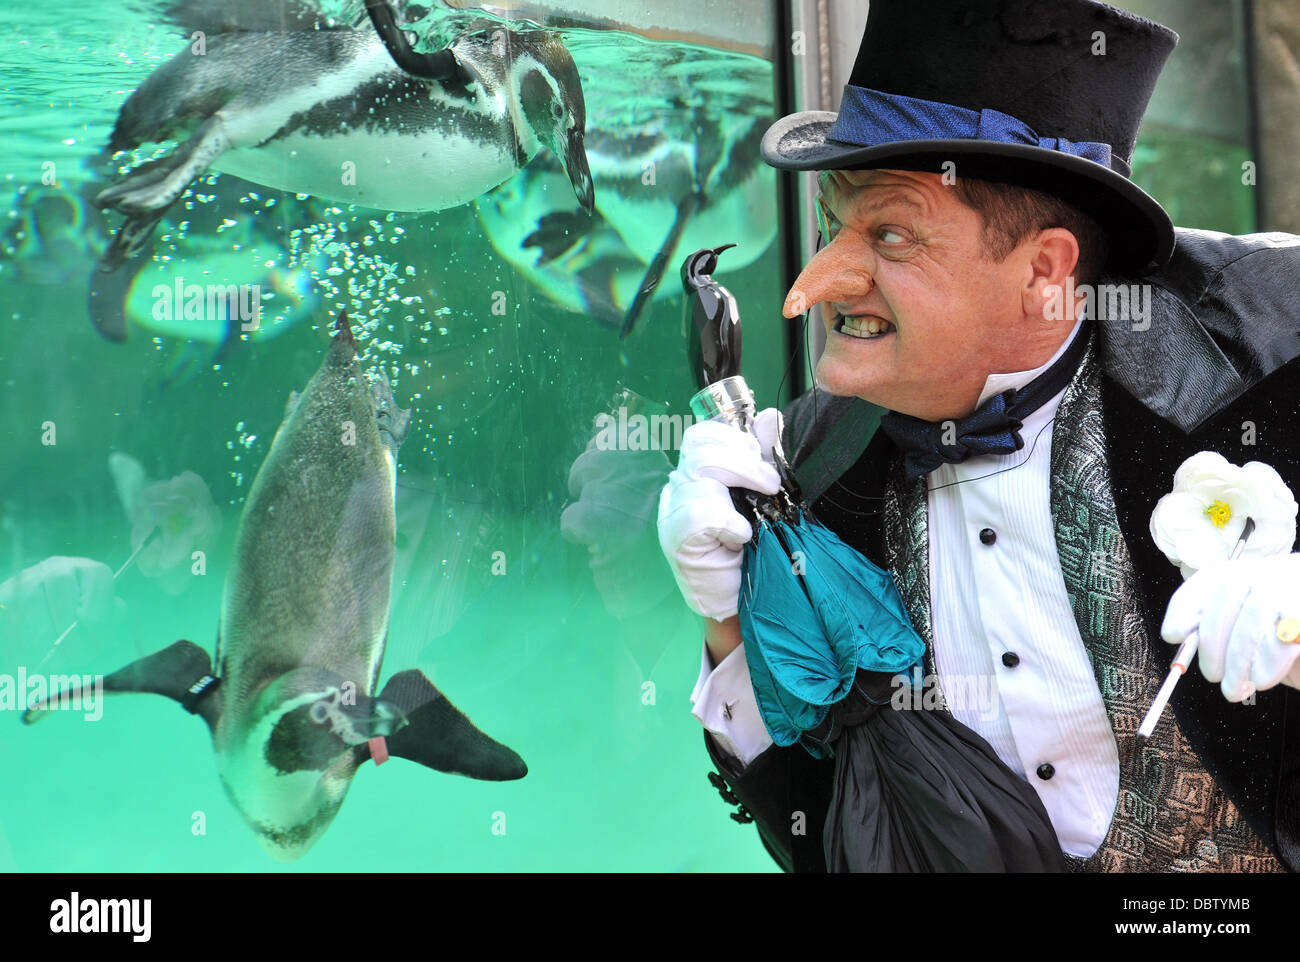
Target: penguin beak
575, 165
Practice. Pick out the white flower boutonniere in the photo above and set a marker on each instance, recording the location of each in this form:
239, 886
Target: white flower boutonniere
1198, 522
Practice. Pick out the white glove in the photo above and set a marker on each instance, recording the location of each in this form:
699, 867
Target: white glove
617, 500
768, 427
1234, 606
701, 532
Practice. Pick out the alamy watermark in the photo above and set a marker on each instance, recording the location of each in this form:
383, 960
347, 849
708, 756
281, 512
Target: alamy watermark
179, 301
83, 693
641, 432
1104, 302
75, 915
971, 696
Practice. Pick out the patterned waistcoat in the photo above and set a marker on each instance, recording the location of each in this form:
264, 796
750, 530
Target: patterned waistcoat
1170, 815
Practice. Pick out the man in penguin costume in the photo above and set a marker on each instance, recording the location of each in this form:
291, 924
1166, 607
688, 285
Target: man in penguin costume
1004, 456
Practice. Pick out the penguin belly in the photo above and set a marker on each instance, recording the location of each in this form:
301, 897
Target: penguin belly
365, 134
432, 170
310, 580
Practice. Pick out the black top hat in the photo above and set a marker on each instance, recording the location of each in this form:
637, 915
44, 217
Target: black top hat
1042, 95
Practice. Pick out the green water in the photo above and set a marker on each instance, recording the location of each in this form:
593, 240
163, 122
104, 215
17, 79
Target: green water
582, 661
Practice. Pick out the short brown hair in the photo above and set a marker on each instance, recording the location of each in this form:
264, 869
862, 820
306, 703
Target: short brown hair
1010, 214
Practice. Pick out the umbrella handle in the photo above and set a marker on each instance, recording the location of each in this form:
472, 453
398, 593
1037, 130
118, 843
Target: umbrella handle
789, 483
724, 396
758, 508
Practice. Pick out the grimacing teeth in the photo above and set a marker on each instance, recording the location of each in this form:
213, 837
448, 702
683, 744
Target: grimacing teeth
864, 327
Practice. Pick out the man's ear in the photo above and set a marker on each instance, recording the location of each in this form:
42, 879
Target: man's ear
1053, 254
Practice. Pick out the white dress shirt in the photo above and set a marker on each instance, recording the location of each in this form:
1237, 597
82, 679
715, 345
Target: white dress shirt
1008, 596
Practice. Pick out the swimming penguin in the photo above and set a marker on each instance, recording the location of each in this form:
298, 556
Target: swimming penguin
716, 177
294, 707
320, 108
608, 266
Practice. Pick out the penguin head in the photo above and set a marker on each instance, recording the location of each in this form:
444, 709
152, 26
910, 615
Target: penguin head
290, 767
315, 727
550, 97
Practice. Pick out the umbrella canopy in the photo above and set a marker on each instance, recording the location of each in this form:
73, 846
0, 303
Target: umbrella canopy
827, 638
823, 612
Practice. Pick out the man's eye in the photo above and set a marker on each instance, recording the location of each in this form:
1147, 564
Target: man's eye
888, 235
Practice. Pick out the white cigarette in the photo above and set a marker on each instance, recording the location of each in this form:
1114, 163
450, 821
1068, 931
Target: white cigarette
1182, 661
1185, 653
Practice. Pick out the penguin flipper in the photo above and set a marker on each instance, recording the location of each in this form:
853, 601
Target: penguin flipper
441, 737
558, 232
442, 65
182, 672
655, 272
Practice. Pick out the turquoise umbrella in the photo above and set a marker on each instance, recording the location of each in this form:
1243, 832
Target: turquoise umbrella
828, 643
813, 611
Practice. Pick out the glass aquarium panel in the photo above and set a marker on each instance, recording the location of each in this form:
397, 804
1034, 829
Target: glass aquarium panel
140, 399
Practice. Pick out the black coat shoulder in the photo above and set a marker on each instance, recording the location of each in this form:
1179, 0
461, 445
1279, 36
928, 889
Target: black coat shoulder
1222, 316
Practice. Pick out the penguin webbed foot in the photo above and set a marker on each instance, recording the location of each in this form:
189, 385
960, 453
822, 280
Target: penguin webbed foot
147, 191
156, 184
138, 190
441, 737
127, 243
558, 232
392, 421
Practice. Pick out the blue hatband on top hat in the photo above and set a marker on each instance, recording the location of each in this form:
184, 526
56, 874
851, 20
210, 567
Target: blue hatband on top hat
870, 117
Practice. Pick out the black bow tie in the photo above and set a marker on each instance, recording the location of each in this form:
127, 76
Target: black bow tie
993, 428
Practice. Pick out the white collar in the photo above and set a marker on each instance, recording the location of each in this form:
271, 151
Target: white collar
997, 383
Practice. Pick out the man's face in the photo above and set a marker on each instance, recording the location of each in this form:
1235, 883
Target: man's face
916, 317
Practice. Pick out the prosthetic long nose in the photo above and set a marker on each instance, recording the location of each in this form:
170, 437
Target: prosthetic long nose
842, 270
